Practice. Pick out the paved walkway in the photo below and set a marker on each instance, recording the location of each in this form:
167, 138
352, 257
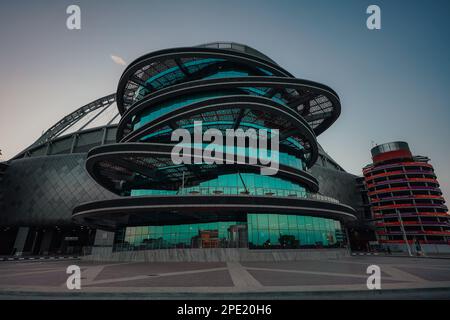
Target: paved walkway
307, 278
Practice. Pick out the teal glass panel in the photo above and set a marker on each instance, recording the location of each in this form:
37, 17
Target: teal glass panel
292, 222
174, 74
233, 184
262, 231
290, 231
273, 221
283, 222
274, 235
228, 74
204, 235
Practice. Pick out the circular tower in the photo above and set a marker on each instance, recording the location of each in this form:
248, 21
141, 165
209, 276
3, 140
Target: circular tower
405, 199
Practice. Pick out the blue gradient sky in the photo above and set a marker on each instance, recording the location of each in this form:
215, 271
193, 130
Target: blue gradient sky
393, 83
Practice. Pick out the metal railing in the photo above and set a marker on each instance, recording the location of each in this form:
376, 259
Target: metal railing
255, 191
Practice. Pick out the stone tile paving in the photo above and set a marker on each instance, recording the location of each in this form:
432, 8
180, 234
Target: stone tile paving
219, 277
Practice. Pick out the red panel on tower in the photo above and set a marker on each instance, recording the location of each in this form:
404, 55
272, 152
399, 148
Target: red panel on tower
392, 155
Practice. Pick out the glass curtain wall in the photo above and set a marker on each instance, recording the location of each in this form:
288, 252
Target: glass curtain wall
261, 231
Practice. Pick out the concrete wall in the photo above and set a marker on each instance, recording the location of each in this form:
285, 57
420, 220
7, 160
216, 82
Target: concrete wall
428, 249
103, 243
217, 255
20, 241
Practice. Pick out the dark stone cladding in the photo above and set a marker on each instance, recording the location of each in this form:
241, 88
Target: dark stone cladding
44, 190
339, 185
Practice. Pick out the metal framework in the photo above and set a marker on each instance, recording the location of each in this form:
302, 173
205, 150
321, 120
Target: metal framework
240, 111
123, 167
317, 104
166, 68
71, 119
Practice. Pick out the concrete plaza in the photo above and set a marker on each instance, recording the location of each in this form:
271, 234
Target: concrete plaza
401, 277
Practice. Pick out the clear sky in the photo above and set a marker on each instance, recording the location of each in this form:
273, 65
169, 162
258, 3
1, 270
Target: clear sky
393, 83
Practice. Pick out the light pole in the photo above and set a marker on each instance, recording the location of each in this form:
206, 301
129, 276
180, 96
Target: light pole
404, 233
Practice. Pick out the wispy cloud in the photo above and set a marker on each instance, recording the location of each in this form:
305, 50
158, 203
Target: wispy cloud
118, 60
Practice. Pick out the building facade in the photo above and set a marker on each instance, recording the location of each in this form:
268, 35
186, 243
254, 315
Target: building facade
107, 165
209, 204
406, 202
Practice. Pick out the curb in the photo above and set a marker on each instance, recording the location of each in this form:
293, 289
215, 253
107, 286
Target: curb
354, 254
39, 258
413, 293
